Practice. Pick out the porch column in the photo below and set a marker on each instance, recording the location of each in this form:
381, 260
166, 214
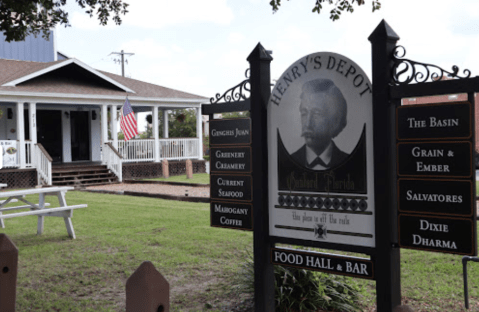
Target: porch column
165, 123
32, 117
104, 124
32, 128
156, 131
137, 117
104, 128
199, 132
21, 134
114, 128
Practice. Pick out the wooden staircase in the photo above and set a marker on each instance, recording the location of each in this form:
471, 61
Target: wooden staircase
82, 175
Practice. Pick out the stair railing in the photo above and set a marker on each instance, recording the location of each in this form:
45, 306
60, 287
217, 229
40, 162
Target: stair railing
43, 164
113, 160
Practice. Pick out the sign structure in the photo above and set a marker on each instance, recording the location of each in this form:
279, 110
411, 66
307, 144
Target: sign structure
329, 263
9, 153
437, 211
230, 179
320, 153
231, 159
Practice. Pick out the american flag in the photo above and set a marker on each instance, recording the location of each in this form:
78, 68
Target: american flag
127, 121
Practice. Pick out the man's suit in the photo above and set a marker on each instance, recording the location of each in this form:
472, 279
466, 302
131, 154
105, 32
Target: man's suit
337, 156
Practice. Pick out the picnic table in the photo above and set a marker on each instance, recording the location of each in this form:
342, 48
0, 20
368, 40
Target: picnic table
39, 209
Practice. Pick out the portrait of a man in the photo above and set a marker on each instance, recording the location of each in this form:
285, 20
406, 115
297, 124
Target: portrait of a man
323, 111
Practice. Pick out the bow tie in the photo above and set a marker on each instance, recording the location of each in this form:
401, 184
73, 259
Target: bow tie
317, 161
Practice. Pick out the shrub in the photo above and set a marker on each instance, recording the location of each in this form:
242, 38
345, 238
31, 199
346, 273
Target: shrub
304, 290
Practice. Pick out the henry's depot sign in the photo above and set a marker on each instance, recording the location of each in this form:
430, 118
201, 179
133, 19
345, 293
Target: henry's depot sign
320, 149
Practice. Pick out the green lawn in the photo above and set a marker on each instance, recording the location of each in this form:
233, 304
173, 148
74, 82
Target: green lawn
198, 178
115, 234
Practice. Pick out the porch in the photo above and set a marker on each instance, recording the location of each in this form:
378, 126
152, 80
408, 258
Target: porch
136, 158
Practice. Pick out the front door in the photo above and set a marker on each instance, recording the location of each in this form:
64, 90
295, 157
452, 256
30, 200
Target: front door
80, 135
49, 132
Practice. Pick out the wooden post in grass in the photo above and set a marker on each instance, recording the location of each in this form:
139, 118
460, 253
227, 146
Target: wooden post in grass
165, 168
147, 290
8, 273
189, 169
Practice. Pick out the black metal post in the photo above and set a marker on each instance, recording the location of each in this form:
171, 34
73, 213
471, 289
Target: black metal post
471, 98
260, 60
465, 259
388, 269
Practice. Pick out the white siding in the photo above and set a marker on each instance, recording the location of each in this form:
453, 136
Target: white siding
12, 124
3, 123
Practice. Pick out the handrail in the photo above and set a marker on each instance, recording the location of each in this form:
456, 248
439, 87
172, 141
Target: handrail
113, 160
44, 151
43, 164
114, 150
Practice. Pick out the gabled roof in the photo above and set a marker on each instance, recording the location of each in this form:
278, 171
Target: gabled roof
72, 77
39, 71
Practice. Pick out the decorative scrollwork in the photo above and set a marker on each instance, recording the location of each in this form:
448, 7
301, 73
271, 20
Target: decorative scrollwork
237, 93
407, 71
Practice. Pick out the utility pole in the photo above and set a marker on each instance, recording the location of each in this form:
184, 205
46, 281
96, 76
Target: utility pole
122, 60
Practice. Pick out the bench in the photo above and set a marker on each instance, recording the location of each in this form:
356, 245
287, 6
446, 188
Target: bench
39, 209
13, 200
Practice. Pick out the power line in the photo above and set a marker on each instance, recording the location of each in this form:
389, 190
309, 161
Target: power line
122, 60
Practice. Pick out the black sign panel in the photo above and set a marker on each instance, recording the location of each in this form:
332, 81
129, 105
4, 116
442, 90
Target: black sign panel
231, 215
442, 234
231, 160
437, 121
435, 159
231, 187
441, 197
336, 264
230, 131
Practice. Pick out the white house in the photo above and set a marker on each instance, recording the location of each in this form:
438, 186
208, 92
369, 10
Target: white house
55, 113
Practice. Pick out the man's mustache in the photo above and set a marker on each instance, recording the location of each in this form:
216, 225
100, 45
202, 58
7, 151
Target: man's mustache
307, 133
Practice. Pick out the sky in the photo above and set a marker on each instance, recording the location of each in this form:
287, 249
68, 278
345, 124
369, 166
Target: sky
201, 47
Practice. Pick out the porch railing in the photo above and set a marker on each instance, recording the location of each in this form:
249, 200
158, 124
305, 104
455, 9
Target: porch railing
144, 150
137, 150
179, 148
29, 154
43, 163
113, 160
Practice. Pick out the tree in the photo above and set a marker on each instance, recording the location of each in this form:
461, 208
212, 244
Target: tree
181, 124
19, 18
339, 6
235, 115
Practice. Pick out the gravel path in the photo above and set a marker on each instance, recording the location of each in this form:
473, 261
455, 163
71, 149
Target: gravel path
193, 191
